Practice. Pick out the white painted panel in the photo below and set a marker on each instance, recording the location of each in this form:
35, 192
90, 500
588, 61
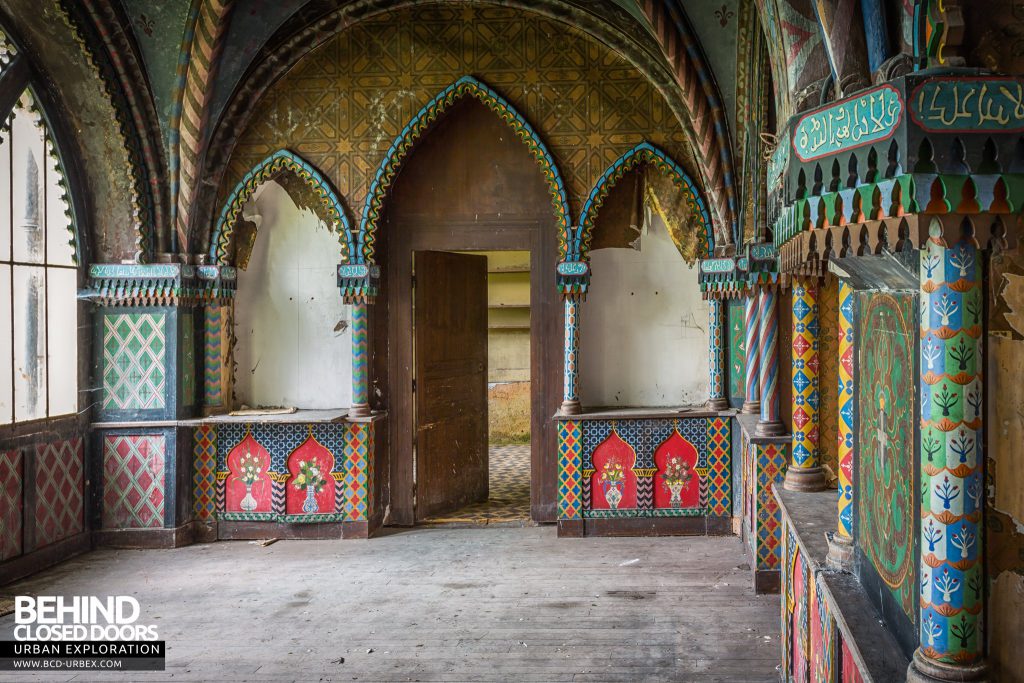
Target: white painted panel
287, 309
644, 339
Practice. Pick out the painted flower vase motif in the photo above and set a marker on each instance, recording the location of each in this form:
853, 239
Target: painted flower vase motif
677, 476
249, 469
613, 478
248, 503
613, 494
311, 479
309, 505
675, 488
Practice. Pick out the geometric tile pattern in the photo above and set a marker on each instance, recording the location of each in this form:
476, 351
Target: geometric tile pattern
770, 464
358, 446
60, 490
204, 472
846, 426
570, 448
134, 349
212, 360
360, 356
133, 481
277, 497
788, 601
509, 490
719, 450
805, 374
644, 436
716, 350
570, 379
582, 140
11, 471
711, 437
281, 440
644, 492
822, 634
188, 358
349, 444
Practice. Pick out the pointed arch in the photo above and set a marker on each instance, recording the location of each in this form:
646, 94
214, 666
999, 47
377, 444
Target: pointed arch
466, 86
332, 211
643, 153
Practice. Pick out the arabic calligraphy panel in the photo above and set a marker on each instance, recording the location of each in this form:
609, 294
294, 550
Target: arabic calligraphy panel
969, 105
870, 117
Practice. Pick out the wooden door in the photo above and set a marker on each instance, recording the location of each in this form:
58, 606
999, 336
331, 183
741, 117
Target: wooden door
450, 375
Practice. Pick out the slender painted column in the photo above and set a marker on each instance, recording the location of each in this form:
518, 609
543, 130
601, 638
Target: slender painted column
360, 360
716, 357
804, 472
952, 576
571, 376
768, 306
841, 548
752, 400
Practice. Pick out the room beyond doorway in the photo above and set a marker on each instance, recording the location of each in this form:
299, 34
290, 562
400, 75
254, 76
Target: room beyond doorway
508, 397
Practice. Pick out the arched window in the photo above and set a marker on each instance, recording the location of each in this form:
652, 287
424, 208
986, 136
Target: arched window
38, 264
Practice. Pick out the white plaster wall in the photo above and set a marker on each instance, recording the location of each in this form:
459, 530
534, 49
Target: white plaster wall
643, 338
291, 349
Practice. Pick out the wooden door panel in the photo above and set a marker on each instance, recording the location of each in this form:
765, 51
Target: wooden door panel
451, 381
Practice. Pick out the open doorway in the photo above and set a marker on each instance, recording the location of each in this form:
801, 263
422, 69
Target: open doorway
468, 187
472, 446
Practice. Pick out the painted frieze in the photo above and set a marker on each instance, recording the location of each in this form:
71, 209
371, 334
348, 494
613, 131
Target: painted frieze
885, 466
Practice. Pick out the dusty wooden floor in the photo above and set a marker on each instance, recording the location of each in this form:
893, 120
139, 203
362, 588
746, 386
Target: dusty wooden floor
489, 604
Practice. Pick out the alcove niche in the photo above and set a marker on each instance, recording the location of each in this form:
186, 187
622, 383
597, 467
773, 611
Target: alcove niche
293, 338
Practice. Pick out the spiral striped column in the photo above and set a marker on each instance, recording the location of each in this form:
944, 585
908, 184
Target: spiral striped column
951, 459
360, 360
716, 357
571, 376
752, 398
804, 472
846, 386
768, 305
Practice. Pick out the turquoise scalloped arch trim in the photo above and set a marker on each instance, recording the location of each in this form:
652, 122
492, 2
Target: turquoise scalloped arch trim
268, 169
414, 130
642, 153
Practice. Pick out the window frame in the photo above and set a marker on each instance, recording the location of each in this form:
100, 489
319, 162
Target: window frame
16, 78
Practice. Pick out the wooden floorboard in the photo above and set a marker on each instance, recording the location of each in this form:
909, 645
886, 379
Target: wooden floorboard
486, 604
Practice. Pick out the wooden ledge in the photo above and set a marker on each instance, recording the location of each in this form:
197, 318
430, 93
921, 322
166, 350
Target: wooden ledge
656, 413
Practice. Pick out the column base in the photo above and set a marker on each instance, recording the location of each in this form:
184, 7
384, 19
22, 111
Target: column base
717, 403
359, 410
925, 670
751, 408
840, 552
772, 428
805, 479
570, 408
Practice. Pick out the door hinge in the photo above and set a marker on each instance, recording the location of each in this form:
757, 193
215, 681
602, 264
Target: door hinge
414, 282
414, 386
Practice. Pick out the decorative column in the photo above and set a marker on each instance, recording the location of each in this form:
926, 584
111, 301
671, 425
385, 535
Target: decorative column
573, 279
752, 399
952, 576
768, 308
716, 357
358, 285
840, 549
360, 361
571, 375
804, 472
